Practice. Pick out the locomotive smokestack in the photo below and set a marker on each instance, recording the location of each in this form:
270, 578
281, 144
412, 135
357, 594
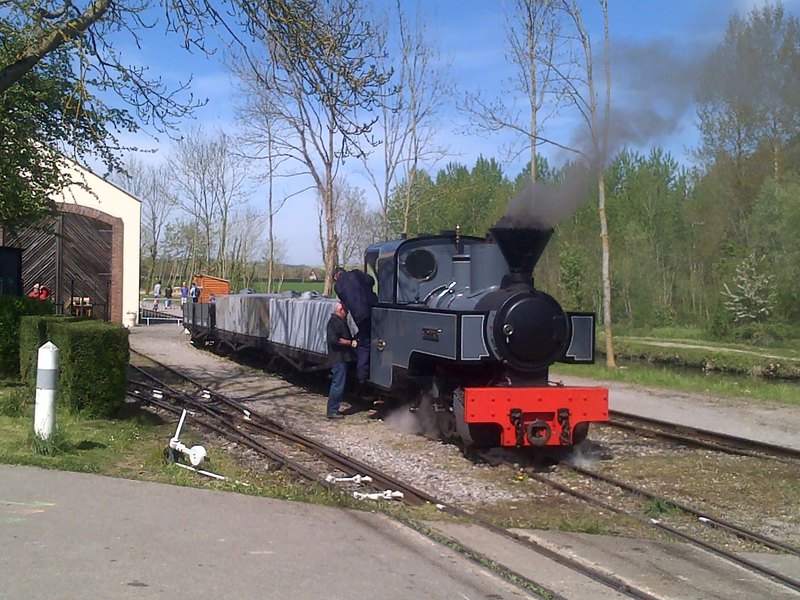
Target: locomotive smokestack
522, 248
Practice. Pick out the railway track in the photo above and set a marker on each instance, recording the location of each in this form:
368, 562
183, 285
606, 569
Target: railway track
592, 570
702, 438
600, 499
278, 443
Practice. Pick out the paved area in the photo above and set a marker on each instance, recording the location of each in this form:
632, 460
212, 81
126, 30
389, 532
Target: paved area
73, 535
76, 536
768, 422
70, 535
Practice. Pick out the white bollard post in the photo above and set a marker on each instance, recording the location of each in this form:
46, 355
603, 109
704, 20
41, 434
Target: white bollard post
44, 418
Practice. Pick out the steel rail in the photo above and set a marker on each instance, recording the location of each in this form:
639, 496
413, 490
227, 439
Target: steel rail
587, 570
789, 582
471, 554
704, 517
252, 419
703, 438
230, 431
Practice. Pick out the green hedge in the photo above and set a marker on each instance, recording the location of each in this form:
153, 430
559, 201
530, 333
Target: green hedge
12, 308
32, 334
93, 361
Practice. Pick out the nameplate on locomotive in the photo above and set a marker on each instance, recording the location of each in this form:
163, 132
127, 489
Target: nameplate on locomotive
431, 335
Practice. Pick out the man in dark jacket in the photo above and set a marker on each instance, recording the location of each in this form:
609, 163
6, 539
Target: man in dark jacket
340, 345
354, 289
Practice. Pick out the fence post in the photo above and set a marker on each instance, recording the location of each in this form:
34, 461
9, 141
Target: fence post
44, 419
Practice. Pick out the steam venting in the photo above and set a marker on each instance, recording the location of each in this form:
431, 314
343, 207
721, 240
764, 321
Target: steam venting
543, 206
524, 231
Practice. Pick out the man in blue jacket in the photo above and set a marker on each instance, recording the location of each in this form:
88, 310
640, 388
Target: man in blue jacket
354, 289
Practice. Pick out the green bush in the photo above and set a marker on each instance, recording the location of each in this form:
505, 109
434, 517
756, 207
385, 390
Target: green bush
759, 334
11, 309
32, 334
93, 365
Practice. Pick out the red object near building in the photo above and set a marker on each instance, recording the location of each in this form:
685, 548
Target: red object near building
211, 286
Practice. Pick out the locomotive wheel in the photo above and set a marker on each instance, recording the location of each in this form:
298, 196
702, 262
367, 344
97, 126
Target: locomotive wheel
446, 425
579, 433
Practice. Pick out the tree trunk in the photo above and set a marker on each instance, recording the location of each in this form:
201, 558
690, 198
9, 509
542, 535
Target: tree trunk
601, 193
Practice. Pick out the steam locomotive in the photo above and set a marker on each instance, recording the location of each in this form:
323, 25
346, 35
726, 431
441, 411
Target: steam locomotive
459, 328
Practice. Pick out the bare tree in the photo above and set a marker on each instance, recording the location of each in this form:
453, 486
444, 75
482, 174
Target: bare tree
263, 127
321, 110
209, 179
152, 186
553, 54
542, 57
357, 227
276, 253
246, 245
94, 92
586, 101
408, 115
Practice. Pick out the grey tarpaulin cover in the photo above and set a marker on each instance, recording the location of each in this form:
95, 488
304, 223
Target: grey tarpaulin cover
295, 322
301, 323
244, 313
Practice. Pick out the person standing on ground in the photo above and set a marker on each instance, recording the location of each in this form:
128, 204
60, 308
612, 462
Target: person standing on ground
156, 294
340, 345
168, 296
354, 289
184, 293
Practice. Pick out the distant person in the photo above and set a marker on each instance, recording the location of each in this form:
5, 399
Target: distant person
354, 289
39, 292
194, 292
184, 293
213, 299
168, 297
340, 344
156, 294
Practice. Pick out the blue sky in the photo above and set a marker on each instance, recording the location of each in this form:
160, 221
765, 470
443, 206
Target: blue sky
471, 38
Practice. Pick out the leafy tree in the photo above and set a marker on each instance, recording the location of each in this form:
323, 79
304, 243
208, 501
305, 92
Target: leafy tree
471, 199
749, 117
772, 231
61, 73
750, 87
42, 113
753, 296
646, 196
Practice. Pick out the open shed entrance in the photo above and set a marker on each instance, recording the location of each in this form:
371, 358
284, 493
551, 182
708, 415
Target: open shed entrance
75, 258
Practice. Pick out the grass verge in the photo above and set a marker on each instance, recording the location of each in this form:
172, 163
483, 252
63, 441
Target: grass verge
132, 446
687, 380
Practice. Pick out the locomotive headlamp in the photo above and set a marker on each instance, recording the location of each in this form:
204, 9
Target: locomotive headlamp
508, 329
